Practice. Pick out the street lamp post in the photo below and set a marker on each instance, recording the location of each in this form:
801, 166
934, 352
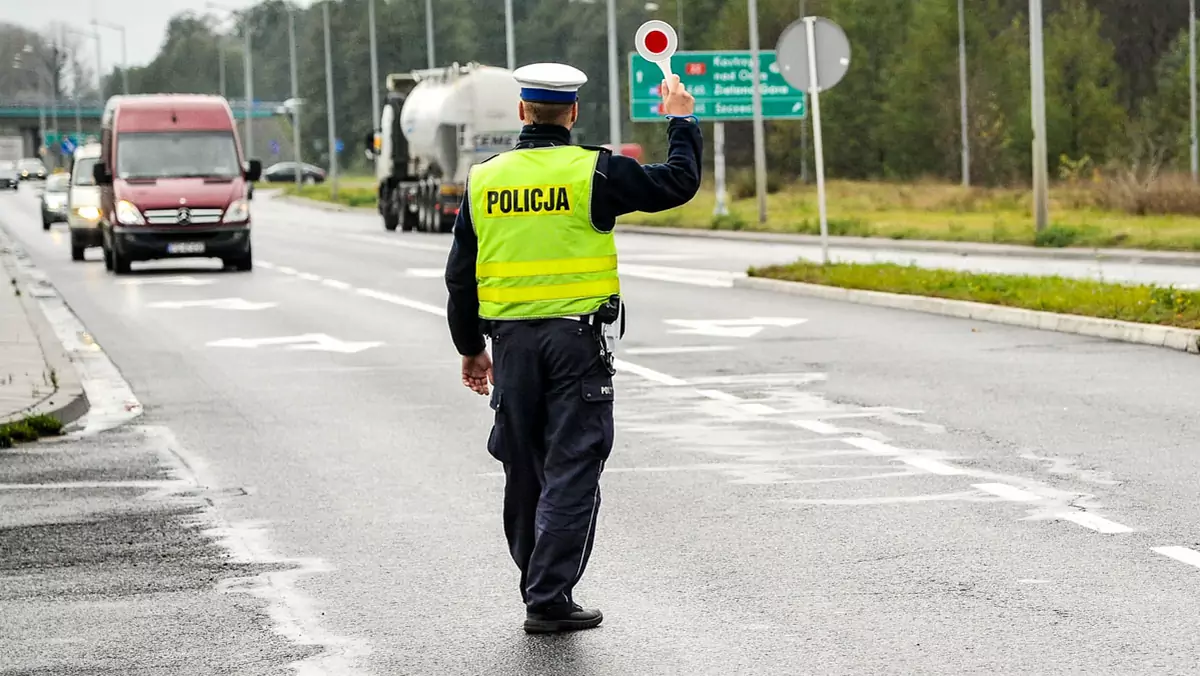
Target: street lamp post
962, 93
509, 47
1037, 71
295, 99
429, 31
124, 54
614, 91
1192, 86
333, 161
374, 68
249, 75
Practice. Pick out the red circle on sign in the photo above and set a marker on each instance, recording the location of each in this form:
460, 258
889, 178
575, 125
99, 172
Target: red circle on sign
656, 42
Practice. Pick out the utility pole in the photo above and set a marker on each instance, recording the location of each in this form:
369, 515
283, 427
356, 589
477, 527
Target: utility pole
124, 54
295, 99
1037, 72
429, 31
804, 123
99, 67
962, 93
333, 161
221, 57
374, 67
1192, 78
509, 47
249, 89
760, 151
614, 90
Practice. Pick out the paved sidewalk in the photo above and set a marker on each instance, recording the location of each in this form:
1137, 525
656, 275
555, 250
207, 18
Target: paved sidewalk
36, 376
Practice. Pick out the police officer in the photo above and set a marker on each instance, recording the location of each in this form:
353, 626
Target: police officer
533, 266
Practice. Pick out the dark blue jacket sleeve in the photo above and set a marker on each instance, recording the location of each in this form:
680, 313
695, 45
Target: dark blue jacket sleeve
628, 186
462, 307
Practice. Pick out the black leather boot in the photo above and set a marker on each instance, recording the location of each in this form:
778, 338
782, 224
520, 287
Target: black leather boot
561, 618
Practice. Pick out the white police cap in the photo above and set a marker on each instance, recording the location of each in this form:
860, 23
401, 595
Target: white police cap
549, 82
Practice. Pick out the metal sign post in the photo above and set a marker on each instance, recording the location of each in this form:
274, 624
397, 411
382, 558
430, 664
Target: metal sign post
814, 54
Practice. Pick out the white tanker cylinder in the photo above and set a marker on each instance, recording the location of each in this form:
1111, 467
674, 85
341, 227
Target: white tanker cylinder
456, 117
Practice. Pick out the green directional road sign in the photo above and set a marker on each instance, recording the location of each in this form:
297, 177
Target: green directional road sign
720, 81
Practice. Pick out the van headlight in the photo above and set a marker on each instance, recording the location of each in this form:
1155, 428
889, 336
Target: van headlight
127, 214
238, 212
88, 213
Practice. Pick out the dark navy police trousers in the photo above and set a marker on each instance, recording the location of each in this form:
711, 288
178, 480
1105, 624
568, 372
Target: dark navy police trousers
553, 431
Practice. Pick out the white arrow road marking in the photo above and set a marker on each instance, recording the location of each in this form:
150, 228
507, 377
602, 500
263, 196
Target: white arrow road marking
308, 341
736, 328
172, 281
216, 303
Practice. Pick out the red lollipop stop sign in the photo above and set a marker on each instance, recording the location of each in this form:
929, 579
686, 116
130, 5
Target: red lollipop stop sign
656, 41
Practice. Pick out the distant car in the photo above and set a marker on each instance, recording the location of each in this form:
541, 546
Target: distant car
8, 176
54, 200
83, 206
285, 172
31, 168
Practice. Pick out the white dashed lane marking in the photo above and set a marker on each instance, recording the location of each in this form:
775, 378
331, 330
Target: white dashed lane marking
915, 459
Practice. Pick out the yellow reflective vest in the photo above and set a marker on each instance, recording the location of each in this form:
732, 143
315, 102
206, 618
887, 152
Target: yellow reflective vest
539, 254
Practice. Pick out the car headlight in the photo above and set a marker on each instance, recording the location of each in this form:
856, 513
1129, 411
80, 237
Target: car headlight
88, 213
238, 212
127, 214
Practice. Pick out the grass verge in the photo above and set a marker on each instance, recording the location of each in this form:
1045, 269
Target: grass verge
1165, 306
352, 192
30, 428
937, 211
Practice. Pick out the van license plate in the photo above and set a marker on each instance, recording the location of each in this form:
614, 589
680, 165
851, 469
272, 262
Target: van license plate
185, 247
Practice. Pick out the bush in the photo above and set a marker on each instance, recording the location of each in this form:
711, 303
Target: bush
1134, 303
29, 429
742, 185
1150, 194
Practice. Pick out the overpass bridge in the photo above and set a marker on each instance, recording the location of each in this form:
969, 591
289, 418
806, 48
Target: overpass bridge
46, 125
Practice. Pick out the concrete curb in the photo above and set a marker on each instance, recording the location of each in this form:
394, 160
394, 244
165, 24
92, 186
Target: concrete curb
68, 402
1182, 258
1184, 340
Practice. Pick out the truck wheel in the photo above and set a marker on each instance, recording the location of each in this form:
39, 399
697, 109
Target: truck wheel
408, 218
423, 204
391, 219
108, 261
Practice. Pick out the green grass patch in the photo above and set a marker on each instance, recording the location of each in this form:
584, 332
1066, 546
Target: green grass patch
27, 429
1166, 306
352, 191
937, 211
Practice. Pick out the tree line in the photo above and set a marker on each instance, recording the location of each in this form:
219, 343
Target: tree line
1116, 74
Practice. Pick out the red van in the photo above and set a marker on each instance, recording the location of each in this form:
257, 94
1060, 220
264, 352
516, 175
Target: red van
174, 181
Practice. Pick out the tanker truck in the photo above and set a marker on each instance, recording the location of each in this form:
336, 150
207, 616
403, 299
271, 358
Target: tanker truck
435, 125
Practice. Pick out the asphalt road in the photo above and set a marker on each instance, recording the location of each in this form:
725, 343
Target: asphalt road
823, 488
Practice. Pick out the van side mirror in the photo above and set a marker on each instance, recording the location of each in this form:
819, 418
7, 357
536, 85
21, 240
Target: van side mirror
369, 144
254, 172
100, 174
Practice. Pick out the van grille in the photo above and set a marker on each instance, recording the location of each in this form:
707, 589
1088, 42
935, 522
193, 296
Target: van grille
183, 216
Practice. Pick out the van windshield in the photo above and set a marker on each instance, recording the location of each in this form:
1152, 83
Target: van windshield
82, 173
192, 154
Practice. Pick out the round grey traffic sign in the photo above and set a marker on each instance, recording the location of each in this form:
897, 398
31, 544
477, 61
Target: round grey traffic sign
832, 49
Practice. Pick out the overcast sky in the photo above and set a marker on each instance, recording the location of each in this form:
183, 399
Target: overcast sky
145, 21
